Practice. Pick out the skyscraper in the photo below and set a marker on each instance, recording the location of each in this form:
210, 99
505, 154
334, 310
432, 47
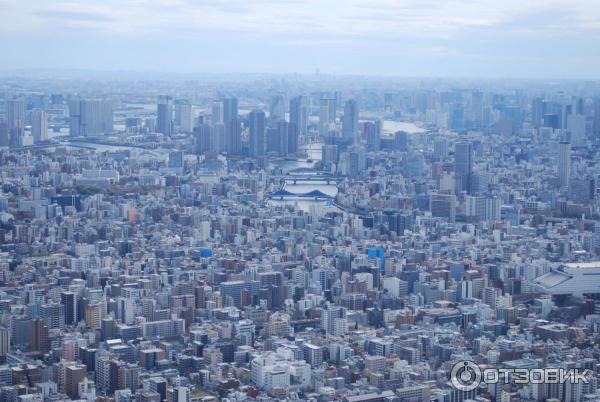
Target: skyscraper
218, 137
217, 112
69, 301
350, 123
4, 343
15, 120
203, 139
299, 115
373, 134
463, 164
230, 109
233, 137
256, 123
183, 116
39, 125
90, 117
596, 125
401, 140
326, 116
564, 164
4, 135
288, 140
276, 110
164, 115
233, 133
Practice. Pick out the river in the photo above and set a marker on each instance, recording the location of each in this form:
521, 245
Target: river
314, 154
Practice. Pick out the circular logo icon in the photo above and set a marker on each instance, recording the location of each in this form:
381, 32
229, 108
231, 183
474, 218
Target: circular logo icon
465, 376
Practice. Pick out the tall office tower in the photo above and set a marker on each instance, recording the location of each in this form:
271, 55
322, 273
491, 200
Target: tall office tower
256, 125
401, 141
15, 120
477, 108
596, 126
283, 140
233, 137
579, 106
440, 148
463, 164
203, 139
90, 117
4, 138
292, 135
233, 132
218, 137
299, 115
373, 135
350, 123
576, 125
272, 140
39, 125
5, 334
537, 112
69, 301
217, 112
326, 116
183, 116
230, 109
564, 164
164, 115
276, 110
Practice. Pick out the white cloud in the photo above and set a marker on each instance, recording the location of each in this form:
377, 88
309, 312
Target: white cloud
318, 32
297, 18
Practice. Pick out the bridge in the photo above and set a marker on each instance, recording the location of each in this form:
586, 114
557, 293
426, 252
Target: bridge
295, 178
100, 141
315, 194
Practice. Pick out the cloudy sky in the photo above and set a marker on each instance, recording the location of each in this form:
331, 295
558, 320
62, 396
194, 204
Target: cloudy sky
458, 38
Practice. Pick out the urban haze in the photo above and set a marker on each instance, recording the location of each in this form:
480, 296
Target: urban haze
299, 200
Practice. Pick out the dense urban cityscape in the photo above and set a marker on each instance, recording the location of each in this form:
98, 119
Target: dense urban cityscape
299, 200
302, 238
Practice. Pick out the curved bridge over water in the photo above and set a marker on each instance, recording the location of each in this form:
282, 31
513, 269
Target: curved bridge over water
315, 194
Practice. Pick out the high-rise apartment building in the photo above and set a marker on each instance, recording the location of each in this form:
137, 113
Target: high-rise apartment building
463, 164
256, 125
15, 121
350, 129
90, 118
564, 164
39, 125
164, 115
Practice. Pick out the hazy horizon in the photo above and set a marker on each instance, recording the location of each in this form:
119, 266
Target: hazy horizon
166, 75
536, 39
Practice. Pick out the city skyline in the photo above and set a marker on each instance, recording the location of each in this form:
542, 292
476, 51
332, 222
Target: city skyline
299, 201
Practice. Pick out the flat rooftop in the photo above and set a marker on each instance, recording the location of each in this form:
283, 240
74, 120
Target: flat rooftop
583, 265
